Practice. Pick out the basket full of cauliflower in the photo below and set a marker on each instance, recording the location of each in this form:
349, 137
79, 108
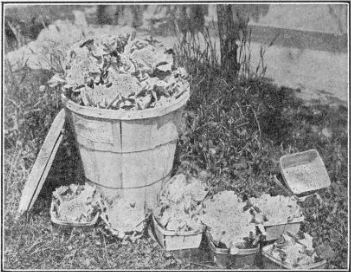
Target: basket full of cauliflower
176, 220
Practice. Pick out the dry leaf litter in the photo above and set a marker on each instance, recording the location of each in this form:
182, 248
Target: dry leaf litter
180, 204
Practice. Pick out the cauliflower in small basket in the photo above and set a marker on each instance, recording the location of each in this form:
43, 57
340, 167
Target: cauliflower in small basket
229, 224
180, 204
277, 209
74, 204
296, 251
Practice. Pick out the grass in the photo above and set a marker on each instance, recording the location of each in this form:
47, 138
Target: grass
234, 134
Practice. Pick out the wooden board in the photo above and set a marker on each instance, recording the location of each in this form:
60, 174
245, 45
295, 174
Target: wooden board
42, 164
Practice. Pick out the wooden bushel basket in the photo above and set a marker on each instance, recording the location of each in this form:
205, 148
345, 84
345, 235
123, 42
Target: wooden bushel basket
127, 154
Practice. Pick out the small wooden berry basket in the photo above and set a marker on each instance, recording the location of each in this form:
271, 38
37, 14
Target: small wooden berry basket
304, 172
273, 263
173, 240
56, 220
274, 231
224, 258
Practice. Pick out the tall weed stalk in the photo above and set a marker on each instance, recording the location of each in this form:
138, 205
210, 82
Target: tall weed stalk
196, 47
202, 47
245, 55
